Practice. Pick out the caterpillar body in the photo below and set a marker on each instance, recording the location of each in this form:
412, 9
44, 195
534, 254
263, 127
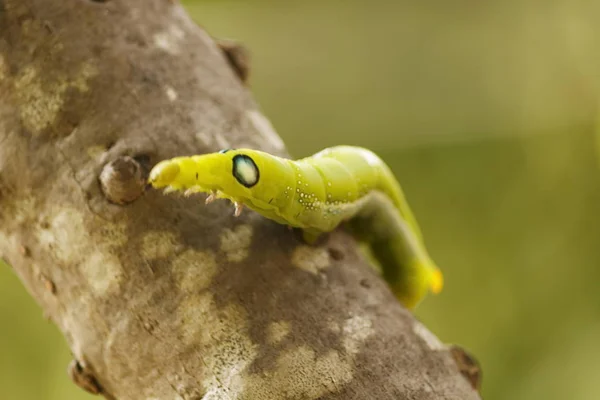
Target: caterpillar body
339, 184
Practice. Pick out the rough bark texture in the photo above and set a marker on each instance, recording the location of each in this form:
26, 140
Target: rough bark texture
161, 297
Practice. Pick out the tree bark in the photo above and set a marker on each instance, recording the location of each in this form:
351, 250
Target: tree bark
162, 297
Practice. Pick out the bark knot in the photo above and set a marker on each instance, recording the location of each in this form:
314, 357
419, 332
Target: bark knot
123, 180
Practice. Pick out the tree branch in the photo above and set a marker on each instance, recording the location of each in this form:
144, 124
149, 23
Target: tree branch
162, 297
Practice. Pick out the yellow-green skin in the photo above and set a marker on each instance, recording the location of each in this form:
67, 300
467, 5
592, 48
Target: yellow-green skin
316, 194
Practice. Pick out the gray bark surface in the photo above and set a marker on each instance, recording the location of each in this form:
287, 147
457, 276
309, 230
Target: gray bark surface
162, 297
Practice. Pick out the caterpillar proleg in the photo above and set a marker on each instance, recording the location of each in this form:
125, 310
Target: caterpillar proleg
316, 194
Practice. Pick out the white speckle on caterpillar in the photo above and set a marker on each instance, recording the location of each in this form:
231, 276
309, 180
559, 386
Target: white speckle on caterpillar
194, 269
235, 242
310, 259
171, 93
277, 331
158, 244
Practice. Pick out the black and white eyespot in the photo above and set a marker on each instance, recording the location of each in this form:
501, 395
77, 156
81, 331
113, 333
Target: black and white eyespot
245, 170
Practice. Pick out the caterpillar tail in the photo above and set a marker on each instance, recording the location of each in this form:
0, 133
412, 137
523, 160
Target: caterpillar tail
421, 277
417, 279
436, 281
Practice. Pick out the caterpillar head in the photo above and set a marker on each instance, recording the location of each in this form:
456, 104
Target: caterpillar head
232, 174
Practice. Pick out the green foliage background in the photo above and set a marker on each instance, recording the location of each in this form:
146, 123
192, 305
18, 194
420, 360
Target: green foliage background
487, 112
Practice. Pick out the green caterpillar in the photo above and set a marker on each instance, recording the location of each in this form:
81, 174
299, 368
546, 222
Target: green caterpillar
339, 184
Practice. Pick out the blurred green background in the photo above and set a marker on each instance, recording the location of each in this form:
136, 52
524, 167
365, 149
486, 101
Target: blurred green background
486, 111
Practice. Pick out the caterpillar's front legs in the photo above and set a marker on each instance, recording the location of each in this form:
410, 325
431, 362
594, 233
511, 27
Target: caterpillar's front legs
192, 190
238, 209
211, 197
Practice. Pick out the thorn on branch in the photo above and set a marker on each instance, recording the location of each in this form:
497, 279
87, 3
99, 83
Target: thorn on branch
467, 365
123, 180
238, 57
83, 378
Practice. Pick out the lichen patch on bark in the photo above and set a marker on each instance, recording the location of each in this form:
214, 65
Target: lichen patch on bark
66, 238
356, 330
115, 234
311, 259
103, 272
40, 99
194, 270
277, 331
65, 235
158, 244
227, 351
300, 374
224, 344
236, 242
169, 40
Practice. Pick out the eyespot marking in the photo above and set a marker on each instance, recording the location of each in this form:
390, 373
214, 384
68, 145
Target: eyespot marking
245, 170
